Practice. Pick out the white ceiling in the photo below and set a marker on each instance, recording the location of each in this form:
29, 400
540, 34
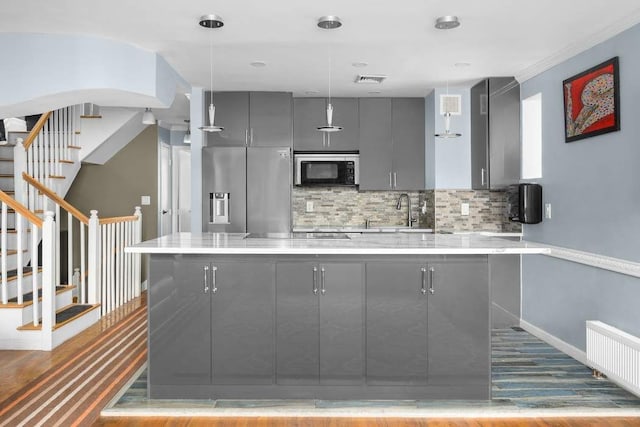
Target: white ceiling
398, 39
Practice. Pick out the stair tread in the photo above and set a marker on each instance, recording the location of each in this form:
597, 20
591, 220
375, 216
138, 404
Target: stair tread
5, 159
26, 271
57, 176
6, 175
63, 316
75, 147
27, 298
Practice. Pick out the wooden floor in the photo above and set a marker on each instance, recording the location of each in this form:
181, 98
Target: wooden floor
21, 372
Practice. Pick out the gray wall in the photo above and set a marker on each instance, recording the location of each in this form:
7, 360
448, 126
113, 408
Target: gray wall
114, 189
593, 186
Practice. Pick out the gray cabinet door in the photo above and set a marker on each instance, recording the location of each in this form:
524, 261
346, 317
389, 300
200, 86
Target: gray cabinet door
242, 322
297, 323
504, 132
232, 113
407, 122
396, 324
345, 114
341, 324
308, 114
459, 330
180, 321
480, 136
376, 148
270, 119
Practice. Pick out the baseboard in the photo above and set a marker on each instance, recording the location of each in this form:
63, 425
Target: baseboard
576, 353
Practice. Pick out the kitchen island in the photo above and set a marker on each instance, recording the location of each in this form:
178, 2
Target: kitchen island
335, 316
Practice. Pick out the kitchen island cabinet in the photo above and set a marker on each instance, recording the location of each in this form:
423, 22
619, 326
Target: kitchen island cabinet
401, 316
319, 326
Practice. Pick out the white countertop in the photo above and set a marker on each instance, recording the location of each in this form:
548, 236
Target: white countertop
359, 244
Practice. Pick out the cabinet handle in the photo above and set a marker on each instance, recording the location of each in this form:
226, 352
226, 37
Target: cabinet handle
390, 182
214, 269
423, 289
431, 289
322, 289
246, 137
251, 136
482, 174
206, 279
315, 280
328, 140
395, 179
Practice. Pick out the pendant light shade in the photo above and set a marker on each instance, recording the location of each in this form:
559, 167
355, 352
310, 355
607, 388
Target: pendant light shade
212, 116
447, 128
211, 22
148, 118
329, 127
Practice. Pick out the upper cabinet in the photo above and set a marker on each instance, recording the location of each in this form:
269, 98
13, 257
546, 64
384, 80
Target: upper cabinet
310, 113
260, 119
495, 133
392, 144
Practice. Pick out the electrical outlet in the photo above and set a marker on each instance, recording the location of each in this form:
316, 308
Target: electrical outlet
464, 209
547, 210
145, 200
309, 207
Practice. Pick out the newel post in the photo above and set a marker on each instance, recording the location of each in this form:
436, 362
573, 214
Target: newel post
19, 166
138, 258
94, 257
48, 280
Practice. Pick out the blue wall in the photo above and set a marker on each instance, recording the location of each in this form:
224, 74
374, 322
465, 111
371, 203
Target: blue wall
593, 186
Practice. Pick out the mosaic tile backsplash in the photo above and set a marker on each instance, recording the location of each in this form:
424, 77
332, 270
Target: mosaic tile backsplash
346, 206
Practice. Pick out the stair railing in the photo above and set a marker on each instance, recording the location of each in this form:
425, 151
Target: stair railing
108, 275
37, 227
43, 152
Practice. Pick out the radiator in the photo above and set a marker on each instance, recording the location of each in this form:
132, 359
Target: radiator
614, 353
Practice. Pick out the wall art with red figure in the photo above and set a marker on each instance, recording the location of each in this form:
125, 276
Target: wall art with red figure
592, 102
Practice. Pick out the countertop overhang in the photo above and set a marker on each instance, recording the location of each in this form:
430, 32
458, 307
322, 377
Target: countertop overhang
358, 244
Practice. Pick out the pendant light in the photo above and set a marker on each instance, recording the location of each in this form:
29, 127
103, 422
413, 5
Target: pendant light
148, 118
329, 23
447, 122
211, 22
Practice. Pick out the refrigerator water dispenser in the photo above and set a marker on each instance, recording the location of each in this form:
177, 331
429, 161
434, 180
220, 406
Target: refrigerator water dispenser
218, 208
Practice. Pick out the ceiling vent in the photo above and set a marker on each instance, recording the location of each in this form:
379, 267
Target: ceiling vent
451, 104
370, 79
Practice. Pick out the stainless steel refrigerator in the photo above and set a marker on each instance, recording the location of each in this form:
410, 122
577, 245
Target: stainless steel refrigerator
246, 189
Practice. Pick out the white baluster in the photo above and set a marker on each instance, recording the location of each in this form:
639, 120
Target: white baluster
3, 252
138, 239
103, 264
35, 276
19, 259
48, 277
110, 266
19, 166
118, 263
70, 250
93, 290
83, 257
57, 260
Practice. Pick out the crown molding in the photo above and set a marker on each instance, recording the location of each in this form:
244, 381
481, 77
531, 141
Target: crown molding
579, 47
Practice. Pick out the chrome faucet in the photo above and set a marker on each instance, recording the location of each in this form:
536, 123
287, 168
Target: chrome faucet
410, 220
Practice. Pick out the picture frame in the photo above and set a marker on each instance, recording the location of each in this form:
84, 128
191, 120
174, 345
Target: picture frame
592, 101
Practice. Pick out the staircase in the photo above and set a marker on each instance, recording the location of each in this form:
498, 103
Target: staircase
37, 311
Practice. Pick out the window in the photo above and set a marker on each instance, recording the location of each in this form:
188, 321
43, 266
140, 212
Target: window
531, 160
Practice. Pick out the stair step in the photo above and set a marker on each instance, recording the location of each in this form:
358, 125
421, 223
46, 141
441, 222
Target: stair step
75, 147
27, 299
6, 175
26, 271
14, 231
63, 316
90, 116
57, 177
70, 162
3, 159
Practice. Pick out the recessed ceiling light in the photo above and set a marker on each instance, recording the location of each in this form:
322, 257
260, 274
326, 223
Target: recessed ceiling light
310, 92
258, 64
329, 22
359, 64
462, 64
447, 22
211, 21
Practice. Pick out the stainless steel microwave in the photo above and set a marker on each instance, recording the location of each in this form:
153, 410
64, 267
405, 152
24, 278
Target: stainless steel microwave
326, 169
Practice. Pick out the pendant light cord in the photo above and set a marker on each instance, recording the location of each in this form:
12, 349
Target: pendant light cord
211, 63
329, 73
